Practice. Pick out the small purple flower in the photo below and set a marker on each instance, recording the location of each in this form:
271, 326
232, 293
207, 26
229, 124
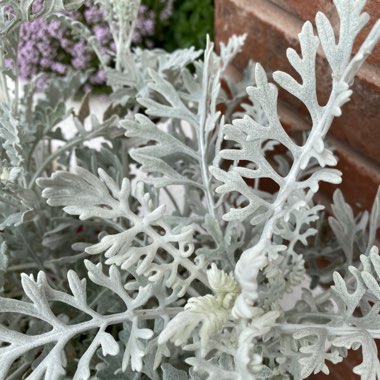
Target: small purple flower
99, 78
53, 28
48, 47
58, 68
102, 33
46, 63
9, 64
41, 82
79, 63
93, 15
149, 26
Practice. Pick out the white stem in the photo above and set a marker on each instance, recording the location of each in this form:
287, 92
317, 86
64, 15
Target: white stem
290, 328
4, 95
201, 134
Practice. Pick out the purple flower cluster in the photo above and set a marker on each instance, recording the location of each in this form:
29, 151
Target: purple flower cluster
47, 47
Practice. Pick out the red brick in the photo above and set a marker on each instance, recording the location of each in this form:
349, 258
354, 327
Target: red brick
373, 9
306, 10
256, 20
359, 125
267, 42
291, 120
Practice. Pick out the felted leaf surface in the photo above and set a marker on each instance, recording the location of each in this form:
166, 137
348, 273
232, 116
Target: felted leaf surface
11, 143
315, 352
370, 366
42, 295
88, 196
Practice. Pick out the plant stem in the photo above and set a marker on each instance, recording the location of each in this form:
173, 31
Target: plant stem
17, 374
172, 199
290, 328
35, 257
155, 313
201, 132
17, 81
3, 81
76, 141
126, 21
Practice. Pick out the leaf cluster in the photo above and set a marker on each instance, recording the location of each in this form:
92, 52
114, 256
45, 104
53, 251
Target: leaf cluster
161, 202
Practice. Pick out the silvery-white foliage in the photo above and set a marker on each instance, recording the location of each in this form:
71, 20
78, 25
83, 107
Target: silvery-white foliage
42, 294
314, 343
174, 68
197, 292
321, 341
11, 146
352, 237
211, 311
121, 17
182, 157
134, 81
22, 11
193, 110
3, 264
251, 136
86, 195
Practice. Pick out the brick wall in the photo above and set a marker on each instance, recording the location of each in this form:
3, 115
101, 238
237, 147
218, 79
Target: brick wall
272, 26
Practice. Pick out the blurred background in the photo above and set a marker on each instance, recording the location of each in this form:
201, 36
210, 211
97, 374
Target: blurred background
50, 48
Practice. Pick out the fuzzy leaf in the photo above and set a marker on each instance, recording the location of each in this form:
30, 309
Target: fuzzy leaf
134, 350
184, 156
206, 311
10, 141
343, 225
369, 369
42, 294
86, 195
316, 355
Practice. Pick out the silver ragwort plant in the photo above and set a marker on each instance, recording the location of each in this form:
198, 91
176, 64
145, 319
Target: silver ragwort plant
189, 260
